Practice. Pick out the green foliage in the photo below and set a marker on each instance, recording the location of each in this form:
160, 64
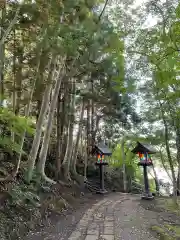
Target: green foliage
17, 125
133, 171
117, 157
95, 52
7, 144
130, 162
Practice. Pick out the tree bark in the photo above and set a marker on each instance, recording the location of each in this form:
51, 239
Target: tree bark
47, 134
96, 127
63, 138
59, 134
39, 125
88, 131
92, 115
76, 147
14, 80
169, 153
19, 79
156, 180
68, 154
178, 159
85, 160
38, 109
2, 52
60, 131
124, 165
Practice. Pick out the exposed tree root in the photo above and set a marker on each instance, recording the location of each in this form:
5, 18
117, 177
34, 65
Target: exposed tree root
78, 178
48, 180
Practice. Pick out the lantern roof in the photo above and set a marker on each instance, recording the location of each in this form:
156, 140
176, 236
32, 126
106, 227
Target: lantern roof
144, 148
102, 149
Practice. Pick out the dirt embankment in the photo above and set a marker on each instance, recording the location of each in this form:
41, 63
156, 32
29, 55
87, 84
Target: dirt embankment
19, 216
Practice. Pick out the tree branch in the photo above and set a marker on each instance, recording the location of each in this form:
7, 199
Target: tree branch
12, 23
105, 5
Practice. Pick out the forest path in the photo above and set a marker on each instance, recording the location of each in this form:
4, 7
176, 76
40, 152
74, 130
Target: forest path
115, 217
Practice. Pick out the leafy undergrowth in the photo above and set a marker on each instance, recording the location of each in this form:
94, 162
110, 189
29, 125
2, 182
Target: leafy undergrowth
28, 206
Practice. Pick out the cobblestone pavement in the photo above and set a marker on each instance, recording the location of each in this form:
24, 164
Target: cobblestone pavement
115, 217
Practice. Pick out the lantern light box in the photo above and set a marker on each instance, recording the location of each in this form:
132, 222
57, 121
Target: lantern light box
101, 150
100, 158
144, 150
145, 158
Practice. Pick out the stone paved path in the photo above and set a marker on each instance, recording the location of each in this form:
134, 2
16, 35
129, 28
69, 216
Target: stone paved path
115, 217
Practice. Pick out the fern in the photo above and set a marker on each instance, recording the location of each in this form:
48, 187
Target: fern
15, 124
22, 194
7, 144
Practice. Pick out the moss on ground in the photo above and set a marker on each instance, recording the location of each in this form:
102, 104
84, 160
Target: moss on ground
174, 229
167, 231
169, 205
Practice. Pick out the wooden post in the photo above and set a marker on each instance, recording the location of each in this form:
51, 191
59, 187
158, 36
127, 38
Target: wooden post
101, 170
146, 183
147, 194
101, 190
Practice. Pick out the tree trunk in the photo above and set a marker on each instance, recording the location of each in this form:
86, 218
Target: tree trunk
178, 159
2, 52
63, 138
85, 160
124, 165
176, 124
27, 112
68, 154
39, 125
58, 133
75, 152
96, 128
164, 165
156, 180
19, 79
38, 109
92, 115
61, 116
169, 154
170, 162
47, 134
88, 131
65, 119
14, 80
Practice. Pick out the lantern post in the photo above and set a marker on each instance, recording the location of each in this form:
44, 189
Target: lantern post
144, 151
101, 151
